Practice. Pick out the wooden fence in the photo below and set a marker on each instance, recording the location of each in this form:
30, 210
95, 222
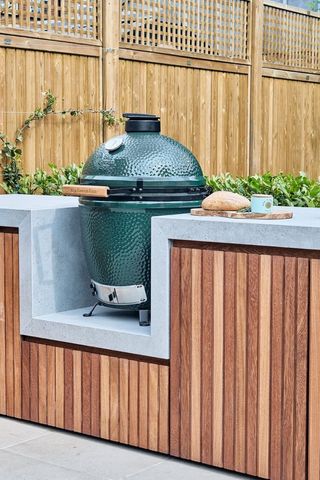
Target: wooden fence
218, 28
237, 81
71, 18
291, 37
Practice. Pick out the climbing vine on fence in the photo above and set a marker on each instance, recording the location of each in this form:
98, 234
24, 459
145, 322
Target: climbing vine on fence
13, 178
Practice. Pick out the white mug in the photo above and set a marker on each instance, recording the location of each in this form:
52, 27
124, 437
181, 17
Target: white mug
261, 203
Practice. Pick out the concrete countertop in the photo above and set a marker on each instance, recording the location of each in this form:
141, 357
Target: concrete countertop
301, 232
29, 203
54, 281
45, 224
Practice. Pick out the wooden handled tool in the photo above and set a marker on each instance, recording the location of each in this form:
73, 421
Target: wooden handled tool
85, 191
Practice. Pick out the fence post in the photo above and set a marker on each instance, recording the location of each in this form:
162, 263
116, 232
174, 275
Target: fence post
255, 130
110, 56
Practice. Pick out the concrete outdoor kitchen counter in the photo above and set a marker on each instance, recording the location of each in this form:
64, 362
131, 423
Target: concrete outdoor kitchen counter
235, 305
54, 282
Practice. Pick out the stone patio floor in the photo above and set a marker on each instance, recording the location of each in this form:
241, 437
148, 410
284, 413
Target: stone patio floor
32, 452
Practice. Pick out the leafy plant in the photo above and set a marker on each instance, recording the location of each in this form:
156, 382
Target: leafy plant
287, 189
314, 5
14, 179
47, 183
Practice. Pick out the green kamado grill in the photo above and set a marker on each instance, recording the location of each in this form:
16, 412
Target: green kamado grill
143, 174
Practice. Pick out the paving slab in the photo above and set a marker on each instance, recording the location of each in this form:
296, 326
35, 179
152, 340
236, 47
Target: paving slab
182, 470
13, 432
32, 452
96, 457
19, 467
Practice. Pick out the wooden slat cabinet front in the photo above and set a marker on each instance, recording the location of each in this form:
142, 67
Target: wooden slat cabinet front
96, 393
314, 373
244, 370
239, 359
114, 398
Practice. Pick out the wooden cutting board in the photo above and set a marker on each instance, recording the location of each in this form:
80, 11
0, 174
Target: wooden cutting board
200, 212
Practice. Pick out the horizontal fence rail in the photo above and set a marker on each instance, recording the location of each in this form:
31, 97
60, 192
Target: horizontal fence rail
63, 17
291, 37
217, 28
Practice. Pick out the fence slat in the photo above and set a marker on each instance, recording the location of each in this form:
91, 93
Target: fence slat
67, 17
187, 26
291, 37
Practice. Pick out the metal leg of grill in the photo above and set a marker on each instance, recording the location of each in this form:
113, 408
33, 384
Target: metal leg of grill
92, 310
144, 318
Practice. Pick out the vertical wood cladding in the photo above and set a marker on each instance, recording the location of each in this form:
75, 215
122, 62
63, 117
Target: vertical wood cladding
314, 376
114, 398
109, 397
10, 345
244, 375
239, 359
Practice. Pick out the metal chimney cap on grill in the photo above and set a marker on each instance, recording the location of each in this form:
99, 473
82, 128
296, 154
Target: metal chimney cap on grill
142, 122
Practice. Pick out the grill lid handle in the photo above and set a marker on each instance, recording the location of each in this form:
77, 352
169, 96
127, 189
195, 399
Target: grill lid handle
142, 122
85, 191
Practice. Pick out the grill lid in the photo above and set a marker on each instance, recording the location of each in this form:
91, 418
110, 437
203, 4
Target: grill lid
143, 158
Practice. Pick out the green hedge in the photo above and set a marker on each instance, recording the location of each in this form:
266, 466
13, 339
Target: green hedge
43, 182
297, 191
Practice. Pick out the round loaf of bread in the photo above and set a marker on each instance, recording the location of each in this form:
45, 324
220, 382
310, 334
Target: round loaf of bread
223, 201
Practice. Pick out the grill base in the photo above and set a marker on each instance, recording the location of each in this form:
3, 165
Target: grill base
123, 296
144, 315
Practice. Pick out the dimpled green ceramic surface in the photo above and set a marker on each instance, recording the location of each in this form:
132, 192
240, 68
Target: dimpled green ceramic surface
117, 241
117, 233
144, 155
